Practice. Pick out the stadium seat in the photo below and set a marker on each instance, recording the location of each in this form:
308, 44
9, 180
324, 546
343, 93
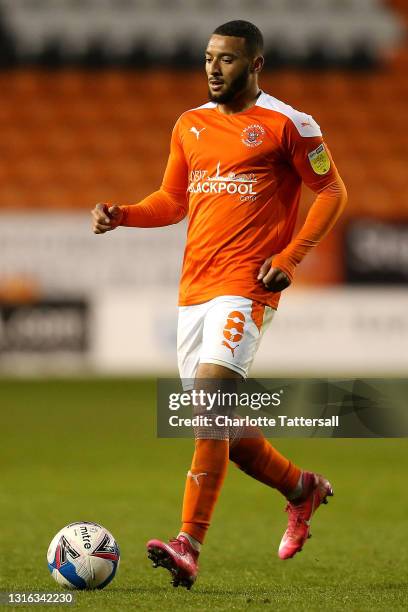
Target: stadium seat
71, 137
75, 134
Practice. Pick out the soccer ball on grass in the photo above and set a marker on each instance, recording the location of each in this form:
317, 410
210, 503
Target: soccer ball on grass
83, 555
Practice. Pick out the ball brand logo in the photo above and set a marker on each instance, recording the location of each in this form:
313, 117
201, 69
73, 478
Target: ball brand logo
233, 330
86, 538
253, 135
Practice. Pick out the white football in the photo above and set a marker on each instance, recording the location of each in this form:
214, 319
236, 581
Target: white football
83, 555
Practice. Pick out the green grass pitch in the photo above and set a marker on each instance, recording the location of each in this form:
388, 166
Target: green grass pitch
86, 450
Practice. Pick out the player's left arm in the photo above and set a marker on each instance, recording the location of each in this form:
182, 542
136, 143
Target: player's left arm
313, 162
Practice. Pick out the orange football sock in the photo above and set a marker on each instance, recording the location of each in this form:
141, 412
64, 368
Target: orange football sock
203, 485
255, 456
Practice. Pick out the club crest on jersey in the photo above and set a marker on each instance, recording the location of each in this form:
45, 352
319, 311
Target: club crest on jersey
319, 160
253, 135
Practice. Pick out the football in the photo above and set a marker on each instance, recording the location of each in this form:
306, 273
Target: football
83, 555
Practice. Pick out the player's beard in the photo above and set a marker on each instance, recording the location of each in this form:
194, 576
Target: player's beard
237, 86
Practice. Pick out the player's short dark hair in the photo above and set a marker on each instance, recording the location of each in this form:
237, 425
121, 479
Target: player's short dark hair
243, 29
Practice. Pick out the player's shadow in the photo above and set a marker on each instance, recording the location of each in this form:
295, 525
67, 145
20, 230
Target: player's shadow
139, 589
154, 589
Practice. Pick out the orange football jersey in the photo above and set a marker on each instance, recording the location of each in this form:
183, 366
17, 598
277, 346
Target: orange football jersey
239, 177
242, 174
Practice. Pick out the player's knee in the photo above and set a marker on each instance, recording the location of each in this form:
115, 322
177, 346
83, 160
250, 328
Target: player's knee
214, 370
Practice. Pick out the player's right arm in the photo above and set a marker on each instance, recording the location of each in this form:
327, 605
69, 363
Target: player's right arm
166, 206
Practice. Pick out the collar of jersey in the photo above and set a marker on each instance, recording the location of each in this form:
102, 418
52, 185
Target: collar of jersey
244, 112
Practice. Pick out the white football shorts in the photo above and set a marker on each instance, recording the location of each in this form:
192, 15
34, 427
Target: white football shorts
225, 330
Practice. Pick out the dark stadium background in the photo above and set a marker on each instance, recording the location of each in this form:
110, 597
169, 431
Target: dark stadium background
90, 91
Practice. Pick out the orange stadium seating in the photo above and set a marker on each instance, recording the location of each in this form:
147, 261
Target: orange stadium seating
71, 138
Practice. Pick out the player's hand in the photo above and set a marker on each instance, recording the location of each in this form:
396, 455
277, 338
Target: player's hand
106, 218
274, 279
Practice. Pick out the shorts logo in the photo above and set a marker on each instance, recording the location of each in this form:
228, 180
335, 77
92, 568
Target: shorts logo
319, 160
233, 330
253, 135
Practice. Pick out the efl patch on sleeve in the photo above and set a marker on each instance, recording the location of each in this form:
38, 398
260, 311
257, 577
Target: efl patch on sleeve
319, 160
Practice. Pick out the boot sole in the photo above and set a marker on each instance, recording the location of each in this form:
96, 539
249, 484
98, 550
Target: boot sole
161, 558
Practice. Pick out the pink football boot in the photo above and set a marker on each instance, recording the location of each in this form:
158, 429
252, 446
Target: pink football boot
316, 489
178, 556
